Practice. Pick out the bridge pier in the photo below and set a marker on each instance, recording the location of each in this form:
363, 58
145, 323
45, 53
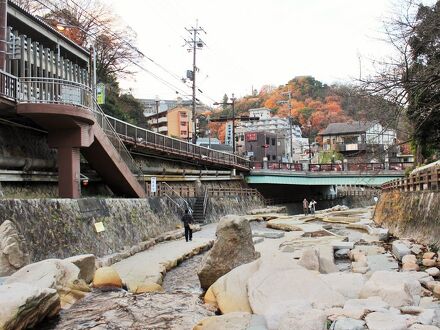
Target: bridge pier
69, 172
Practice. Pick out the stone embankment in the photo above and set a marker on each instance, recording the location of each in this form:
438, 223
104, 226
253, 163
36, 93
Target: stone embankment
414, 214
60, 228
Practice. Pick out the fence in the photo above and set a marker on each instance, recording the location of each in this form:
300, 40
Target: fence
189, 191
424, 180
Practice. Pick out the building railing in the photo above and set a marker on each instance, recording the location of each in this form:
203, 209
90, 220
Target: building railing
141, 137
8, 86
54, 90
425, 180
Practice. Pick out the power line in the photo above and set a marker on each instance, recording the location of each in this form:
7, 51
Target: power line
113, 34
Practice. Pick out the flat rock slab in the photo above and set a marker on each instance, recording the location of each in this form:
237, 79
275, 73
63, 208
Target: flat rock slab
382, 262
268, 234
342, 245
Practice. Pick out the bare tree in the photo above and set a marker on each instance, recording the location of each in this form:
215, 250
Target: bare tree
92, 22
411, 78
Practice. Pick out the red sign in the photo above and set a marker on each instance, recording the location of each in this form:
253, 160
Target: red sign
251, 137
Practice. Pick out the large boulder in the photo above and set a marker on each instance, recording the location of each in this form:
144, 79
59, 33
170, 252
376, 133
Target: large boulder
57, 274
229, 292
396, 289
233, 247
86, 265
23, 305
273, 292
13, 251
232, 321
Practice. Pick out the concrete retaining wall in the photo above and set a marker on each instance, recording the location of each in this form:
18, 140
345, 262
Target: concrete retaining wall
411, 214
58, 228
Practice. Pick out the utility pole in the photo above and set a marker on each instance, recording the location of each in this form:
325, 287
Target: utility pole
195, 43
233, 123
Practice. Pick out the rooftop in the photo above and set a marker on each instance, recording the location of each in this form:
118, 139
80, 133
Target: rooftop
346, 128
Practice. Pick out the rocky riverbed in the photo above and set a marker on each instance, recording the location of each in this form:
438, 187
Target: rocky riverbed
266, 270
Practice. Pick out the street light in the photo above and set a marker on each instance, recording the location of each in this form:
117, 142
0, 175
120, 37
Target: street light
62, 27
233, 118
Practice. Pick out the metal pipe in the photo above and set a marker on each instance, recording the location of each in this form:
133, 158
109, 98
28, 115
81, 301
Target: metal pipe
26, 163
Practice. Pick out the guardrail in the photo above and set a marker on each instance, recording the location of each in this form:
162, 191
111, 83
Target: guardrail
425, 180
8, 86
141, 137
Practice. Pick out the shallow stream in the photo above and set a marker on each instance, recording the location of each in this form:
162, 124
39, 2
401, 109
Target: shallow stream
178, 307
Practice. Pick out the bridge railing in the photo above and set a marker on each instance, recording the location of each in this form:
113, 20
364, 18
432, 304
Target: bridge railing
424, 180
141, 137
8, 86
295, 167
277, 166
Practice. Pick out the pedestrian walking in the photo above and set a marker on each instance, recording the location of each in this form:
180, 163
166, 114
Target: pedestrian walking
312, 206
188, 220
305, 206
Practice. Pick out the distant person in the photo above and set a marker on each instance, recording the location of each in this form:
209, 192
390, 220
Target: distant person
305, 206
187, 220
312, 206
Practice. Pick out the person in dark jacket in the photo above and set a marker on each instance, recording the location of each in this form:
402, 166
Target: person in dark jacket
187, 219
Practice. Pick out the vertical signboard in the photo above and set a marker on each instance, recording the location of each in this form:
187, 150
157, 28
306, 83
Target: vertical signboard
100, 93
153, 184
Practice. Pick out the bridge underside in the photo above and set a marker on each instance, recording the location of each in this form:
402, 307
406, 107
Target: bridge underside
322, 179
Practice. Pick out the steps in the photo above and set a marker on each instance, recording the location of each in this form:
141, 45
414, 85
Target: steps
197, 214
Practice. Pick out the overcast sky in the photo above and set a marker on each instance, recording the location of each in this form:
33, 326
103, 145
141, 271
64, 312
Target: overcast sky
251, 43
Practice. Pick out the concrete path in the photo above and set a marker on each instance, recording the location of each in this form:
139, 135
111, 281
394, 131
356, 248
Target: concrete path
151, 265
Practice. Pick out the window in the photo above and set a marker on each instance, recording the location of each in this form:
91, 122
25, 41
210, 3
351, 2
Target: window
183, 133
267, 140
273, 141
183, 123
183, 115
274, 157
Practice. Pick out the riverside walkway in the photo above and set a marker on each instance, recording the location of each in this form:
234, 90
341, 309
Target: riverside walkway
152, 264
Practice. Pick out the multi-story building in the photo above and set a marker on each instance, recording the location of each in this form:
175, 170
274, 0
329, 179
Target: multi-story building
271, 124
152, 106
176, 122
367, 139
260, 145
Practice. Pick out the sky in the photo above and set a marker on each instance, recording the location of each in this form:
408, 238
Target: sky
252, 43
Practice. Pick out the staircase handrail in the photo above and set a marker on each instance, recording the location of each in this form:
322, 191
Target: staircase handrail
141, 135
178, 197
117, 142
205, 201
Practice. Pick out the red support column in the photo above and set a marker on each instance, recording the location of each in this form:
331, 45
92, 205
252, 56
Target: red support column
69, 172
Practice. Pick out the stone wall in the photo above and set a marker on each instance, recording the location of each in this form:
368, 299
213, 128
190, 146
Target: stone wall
59, 228
411, 214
